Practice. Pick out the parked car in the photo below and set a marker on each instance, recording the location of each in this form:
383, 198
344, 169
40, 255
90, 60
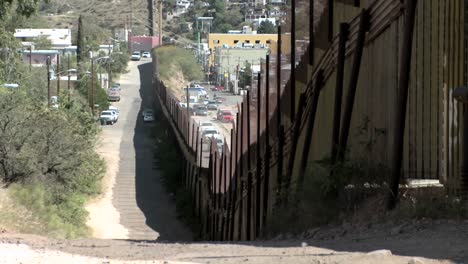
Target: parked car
209, 132
136, 56
114, 109
146, 54
201, 110
218, 140
148, 117
205, 124
218, 88
108, 117
220, 100
200, 90
115, 86
147, 111
212, 105
225, 116
113, 95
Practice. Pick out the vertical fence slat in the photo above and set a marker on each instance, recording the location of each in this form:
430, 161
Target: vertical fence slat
402, 101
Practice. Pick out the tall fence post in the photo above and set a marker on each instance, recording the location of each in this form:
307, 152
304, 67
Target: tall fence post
266, 183
249, 173
344, 28
330, 19
402, 99
235, 176
278, 76
292, 78
225, 195
348, 111
215, 205
219, 217
311, 33
209, 209
241, 170
258, 174
231, 165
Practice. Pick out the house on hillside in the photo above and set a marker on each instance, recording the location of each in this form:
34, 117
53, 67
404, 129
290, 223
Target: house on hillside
60, 39
38, 58
143, 43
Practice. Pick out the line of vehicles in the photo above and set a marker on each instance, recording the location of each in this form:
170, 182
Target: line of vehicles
137, 55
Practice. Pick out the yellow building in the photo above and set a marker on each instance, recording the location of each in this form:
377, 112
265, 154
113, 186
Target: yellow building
239, 40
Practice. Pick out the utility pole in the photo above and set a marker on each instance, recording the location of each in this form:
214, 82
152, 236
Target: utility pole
188, 101
58, 75
68, 82
160, 21
30, 56
92, 86
48, 80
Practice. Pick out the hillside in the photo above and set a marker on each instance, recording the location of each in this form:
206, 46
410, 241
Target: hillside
107, 14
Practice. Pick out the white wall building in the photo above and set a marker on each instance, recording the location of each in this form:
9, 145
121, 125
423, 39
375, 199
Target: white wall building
60, 38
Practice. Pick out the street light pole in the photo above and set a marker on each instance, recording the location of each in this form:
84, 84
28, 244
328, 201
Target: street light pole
58, 75
30, 57
92, 86
68, 83
109, 73
48, 80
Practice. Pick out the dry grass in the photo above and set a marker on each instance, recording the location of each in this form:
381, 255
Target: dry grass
12, 211
109, 14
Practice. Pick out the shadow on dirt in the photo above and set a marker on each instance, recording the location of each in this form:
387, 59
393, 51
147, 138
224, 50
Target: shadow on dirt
156, 204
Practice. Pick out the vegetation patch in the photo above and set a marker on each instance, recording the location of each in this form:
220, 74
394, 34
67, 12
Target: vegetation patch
48, 162
172, 59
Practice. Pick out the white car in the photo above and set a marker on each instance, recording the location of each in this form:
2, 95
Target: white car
136, 56
148, 118
115, 109
205, 124
108, 117
209, 132
147, 111
146, 54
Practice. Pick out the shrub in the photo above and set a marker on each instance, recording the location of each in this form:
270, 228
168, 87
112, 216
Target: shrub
174, 59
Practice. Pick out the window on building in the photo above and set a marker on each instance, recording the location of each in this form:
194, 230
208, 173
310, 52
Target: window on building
268, 42
216, 41
236, 41
247, 41
257, 42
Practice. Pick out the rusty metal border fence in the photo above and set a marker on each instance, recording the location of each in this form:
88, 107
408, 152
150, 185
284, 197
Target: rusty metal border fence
235, 192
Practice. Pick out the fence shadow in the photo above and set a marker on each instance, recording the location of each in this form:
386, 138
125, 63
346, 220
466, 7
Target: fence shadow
156, 204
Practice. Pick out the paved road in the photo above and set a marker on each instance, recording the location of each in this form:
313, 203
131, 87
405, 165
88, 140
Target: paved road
224, 128
146, 210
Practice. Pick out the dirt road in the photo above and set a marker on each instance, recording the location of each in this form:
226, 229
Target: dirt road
134, 204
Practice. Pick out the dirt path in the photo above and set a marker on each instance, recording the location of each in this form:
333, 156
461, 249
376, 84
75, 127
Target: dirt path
373, 246
135, 204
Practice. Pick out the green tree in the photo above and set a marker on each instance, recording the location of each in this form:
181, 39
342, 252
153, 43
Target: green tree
21, 7
266, 27
80, 41
42, 42
245, 78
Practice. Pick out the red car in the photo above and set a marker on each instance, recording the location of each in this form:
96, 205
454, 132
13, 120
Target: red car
219, 100
219, 88
225, 116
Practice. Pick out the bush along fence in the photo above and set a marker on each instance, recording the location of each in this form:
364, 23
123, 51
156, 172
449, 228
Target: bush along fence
353, 95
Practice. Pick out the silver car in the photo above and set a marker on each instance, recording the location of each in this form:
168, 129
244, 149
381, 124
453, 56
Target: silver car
201, 110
